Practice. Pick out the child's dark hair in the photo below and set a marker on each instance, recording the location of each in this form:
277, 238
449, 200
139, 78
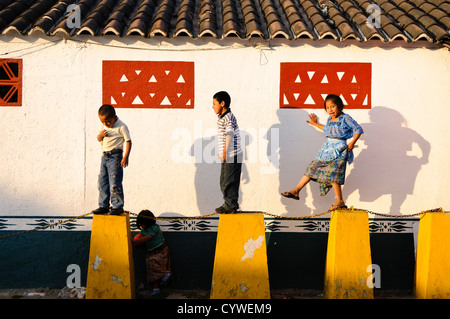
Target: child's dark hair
107, 110
223, 96
335, 99
146, 218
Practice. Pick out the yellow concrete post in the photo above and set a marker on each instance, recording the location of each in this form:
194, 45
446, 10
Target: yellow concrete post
111, 267
349, 261
432, 273
240, 262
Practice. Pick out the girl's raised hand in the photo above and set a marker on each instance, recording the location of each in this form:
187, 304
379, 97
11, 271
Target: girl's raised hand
312, 119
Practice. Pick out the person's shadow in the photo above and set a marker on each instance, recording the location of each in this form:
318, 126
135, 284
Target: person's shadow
384, 167
298, 144
207, 172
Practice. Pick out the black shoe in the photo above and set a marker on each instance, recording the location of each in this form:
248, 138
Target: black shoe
225, 210
116, 211
101, 211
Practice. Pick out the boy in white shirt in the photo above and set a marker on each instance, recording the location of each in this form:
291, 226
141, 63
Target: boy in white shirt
112, 135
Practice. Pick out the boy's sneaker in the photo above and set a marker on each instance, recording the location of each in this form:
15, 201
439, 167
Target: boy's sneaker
101, 211
225, 210
116, 211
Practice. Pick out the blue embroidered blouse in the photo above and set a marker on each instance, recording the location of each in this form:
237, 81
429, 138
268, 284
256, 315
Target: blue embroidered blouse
343, 128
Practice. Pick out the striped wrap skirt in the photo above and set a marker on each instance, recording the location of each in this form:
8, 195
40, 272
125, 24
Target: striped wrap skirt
157, 263
329, 165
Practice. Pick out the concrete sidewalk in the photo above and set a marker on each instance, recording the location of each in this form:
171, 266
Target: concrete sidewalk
50, 293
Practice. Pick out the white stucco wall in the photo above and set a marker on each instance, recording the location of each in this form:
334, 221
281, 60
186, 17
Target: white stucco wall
50, 156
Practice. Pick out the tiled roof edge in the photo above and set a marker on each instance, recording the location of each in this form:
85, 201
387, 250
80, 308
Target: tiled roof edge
341, 20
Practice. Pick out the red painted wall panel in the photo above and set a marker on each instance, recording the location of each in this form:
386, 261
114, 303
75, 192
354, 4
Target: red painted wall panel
10, 82
148, 84
305, 85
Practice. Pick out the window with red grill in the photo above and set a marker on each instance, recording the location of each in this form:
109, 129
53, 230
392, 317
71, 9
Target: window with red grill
305, 85
10, 82
148, 84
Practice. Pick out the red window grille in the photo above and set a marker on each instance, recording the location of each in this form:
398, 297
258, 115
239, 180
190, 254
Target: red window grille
148, 84
305, 85
10, 82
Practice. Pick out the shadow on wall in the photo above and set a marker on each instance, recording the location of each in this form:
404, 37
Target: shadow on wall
16, 202
389, 164
207, 172
385, 167
299, 143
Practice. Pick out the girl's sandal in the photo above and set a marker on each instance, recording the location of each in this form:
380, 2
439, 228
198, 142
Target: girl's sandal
337, 206
290, 195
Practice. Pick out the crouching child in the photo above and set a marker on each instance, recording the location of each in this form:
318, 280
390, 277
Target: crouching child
157, 258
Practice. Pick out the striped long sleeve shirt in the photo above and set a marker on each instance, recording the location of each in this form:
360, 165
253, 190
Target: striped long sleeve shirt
227, 125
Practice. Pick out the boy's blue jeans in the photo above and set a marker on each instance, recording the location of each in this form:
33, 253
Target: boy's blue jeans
110, 181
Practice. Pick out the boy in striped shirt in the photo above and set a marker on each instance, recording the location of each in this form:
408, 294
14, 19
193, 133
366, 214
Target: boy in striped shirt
230, 153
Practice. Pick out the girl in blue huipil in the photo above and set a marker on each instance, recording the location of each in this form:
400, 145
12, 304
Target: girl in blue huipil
328, 168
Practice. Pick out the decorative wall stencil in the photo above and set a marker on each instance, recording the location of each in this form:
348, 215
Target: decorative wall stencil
148, 84
210, 224
27, 223
305, 85
315, 225
10, 82
388, 226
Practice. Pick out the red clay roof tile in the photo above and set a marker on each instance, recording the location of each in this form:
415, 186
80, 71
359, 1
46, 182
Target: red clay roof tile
410, 20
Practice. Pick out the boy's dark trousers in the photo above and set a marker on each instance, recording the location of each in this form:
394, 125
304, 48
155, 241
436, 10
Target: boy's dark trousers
230, 178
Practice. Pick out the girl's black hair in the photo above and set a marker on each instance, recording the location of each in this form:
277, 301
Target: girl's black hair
335, 99
223, 96
145, 217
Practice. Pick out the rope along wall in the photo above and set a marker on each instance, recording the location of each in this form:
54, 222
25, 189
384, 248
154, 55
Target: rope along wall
435, 210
